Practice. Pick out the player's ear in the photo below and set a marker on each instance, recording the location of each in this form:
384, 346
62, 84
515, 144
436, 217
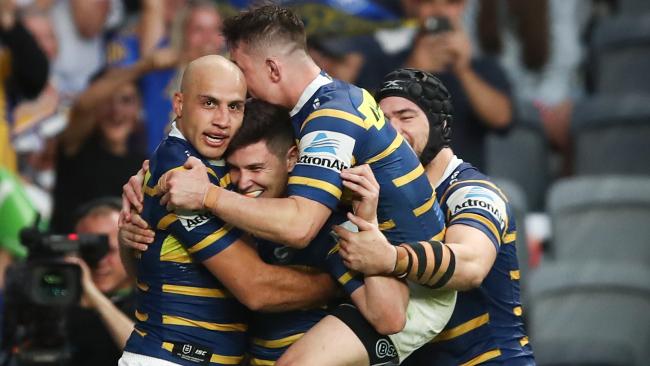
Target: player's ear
178, 104
273, 68
292, 158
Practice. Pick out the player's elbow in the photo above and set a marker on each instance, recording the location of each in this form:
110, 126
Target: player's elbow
253, 301
389, 323
300, 238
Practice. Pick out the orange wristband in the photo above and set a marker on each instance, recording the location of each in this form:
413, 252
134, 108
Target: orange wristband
211, 197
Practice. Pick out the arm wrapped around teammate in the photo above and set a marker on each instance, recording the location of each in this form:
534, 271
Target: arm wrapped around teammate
429, 263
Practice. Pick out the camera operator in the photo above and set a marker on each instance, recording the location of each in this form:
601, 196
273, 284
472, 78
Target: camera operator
99, 330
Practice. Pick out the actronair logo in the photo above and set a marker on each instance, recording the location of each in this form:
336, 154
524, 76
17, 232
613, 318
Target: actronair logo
327, 149
478, 198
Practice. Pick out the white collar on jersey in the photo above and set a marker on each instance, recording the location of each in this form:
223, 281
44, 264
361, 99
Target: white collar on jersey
309, 91
175, 132
453, 164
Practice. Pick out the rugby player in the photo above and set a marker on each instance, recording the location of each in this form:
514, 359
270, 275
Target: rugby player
486, 327
337, 126
197, 267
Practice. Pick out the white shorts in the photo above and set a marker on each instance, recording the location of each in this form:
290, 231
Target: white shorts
427, 314
134, 359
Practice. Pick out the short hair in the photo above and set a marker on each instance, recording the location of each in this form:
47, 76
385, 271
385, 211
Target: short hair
264, 122
102, 206
265, 25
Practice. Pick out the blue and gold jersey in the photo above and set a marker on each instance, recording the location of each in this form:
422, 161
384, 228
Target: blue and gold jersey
486, 325
184, 314
272, 333
338, 126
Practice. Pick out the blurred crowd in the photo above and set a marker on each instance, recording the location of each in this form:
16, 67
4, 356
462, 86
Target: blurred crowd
87, 85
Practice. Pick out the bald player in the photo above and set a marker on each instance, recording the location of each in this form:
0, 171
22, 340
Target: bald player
198, 274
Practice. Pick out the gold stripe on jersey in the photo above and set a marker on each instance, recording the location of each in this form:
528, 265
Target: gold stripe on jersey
389, 150
210, 239
223, 327
224, 360
167, 220
441, 235
225, 181
372, 112
518, 310
141, 333
426, 206
141, 316
510, 237
346, 277
195, 291
261, 362
386, 225
515, 275
335, 249
142, 286
278, 343
483, 357
524, 341
317, 183
327, 112
409, 177
483, 220
464, 328
173, 251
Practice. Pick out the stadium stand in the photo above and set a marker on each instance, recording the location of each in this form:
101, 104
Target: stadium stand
591, 313
601, 218
621, 47
526, 142
611, 135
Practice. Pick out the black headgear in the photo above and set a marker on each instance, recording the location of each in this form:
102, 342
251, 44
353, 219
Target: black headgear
428, 93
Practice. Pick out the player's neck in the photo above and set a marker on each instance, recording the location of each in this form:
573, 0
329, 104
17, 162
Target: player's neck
436, 168
305, 72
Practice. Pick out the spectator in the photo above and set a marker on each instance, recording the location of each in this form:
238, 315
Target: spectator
196, 31
99, 330
23, 73
80, 27
478, 86
95, 155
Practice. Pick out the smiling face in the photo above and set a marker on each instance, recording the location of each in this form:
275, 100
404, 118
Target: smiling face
210, 107
258, 172
409, 120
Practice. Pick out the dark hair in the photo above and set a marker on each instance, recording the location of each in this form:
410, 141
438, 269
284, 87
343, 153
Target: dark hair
97, 206
264, 122
265, 24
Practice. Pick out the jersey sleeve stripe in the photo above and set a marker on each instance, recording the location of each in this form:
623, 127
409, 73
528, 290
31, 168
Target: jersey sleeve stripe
441, 235
409, 177
425, 207
349, 117
334, 249
210, 238
261, 362
224, 360
142, 286
223, 327
345, 278
317, 183
141, 316
524, 341
483, 357
278, 343
510, 237
461, 329
518, 311
387, 225
225, 181
389, 150
166, 221
173, 251
195, 291
480, 219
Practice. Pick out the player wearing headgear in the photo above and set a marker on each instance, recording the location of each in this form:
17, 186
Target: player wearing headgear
479, 253
338, 126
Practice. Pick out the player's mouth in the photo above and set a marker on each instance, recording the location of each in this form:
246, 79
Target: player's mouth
254, 194
215, 139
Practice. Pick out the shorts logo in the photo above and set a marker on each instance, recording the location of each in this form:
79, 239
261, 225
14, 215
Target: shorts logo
327, 149
384, 348
187, 349
283, 255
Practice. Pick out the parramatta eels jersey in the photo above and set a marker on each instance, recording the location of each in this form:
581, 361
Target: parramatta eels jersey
486, 325
272, 333
184, 314
339, 125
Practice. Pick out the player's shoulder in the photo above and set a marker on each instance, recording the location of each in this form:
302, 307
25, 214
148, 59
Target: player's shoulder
171, 153
338, 95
